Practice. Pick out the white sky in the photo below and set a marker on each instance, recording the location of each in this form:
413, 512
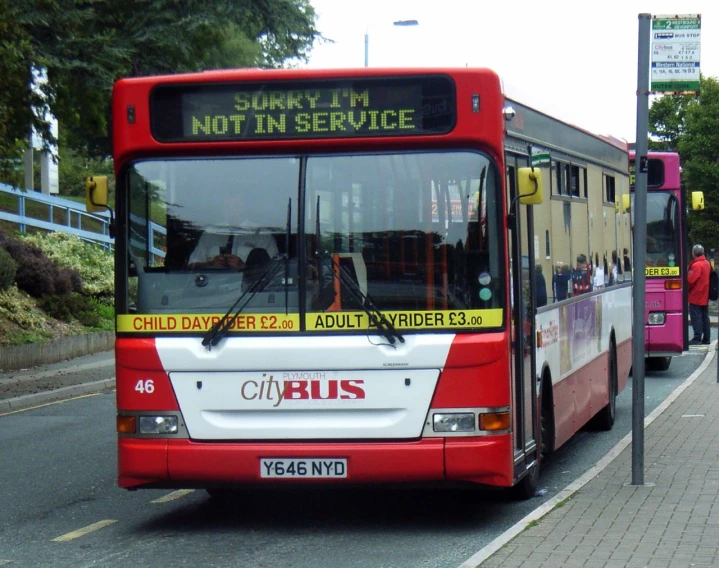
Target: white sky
575, 60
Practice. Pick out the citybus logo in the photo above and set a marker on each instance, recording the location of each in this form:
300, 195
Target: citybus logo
301, 386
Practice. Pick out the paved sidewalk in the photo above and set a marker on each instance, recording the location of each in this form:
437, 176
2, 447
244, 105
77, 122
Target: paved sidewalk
602, 520
27, 388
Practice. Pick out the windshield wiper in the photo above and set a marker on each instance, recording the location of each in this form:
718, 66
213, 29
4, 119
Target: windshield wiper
376, 317
218, 331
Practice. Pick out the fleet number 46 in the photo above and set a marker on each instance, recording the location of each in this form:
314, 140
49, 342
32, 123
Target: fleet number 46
145, 387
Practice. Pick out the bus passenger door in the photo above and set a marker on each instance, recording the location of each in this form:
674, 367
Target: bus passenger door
523, 309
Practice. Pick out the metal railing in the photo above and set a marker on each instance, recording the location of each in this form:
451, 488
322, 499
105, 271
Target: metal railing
94, 227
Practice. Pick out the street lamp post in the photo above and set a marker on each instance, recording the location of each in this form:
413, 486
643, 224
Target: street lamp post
403, 23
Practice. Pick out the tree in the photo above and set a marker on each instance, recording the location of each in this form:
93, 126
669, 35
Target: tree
15, 98
690, 126
85, 45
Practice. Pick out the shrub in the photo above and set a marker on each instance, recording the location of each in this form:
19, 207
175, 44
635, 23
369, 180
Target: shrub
8, 269
37, 274
20, 309
94, 265
67, 307
34, 273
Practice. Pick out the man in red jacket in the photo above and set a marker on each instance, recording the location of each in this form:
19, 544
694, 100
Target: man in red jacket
698, 279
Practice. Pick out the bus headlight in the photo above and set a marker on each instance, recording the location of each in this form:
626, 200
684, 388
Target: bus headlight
656, 318
158, 425
454, 422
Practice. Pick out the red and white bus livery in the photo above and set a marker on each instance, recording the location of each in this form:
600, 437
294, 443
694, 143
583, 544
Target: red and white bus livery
359, 276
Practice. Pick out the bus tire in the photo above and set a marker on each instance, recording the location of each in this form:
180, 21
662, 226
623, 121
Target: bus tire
527, 486
604, 420
657, 363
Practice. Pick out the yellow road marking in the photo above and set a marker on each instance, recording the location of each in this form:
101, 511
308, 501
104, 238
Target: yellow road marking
82, 532
174, 495
55, 402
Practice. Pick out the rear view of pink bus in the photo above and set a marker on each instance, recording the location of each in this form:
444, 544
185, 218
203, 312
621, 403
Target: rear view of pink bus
667, 258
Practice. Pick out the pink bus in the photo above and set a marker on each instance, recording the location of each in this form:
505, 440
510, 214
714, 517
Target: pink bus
667, 258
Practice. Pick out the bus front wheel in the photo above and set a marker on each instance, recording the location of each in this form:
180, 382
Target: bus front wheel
657, 363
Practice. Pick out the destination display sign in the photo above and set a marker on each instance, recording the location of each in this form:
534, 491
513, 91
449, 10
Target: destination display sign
404, 106
321, 321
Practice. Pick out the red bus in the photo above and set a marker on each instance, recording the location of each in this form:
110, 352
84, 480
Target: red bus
668, 255
332, 276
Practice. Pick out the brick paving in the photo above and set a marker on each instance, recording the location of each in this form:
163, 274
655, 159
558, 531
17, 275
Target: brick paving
670, 521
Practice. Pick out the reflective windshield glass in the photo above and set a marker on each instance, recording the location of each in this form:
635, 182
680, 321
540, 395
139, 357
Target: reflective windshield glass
412, 232
663, 233
214, 228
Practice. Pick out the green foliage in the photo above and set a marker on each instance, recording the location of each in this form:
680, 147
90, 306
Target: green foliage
666, 121
73, 167
690, 125
22, 319
69, 307
15, 115
86, 45
94, 265
36, 273
8, 268
20, 309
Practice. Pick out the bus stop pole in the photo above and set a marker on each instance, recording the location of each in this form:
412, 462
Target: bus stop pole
640, 249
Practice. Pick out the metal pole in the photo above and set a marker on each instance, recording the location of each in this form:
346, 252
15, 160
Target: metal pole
28, 165
366, 48
640, 249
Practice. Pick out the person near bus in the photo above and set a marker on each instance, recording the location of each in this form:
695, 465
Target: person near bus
233, 251
615, 269
581, 280
599, 271
627, 261
560, 281
233, 245
698, 279
540, 286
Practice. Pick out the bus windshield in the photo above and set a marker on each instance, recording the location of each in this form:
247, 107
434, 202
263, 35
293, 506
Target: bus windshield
413, 231
663, 233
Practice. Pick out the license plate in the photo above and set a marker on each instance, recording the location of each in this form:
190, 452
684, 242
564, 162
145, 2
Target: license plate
303, 468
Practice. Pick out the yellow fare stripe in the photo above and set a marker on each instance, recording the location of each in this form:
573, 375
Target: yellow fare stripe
661, 271
82, 532
407, 320
174, 495
320, 321
183, 323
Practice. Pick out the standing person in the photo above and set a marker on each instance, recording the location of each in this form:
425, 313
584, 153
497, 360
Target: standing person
698, 279
627, 262
599, 272
581, 281
560, 282
540, 286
